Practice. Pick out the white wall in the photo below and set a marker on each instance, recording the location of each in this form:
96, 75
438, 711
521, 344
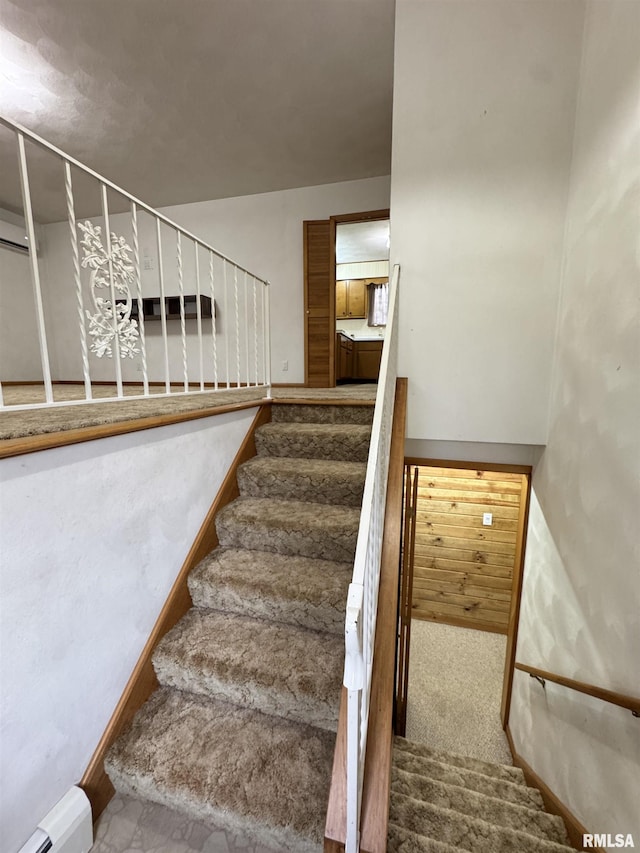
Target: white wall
580, 605
484, 98
19, 352
92, 536
262, 233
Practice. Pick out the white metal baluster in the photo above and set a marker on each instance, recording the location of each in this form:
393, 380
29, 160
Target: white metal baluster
136, 266
263, 311
183, 325
163, 316
78, 281
112, 290
199, 320
35, 273
235, 284
267, 339
246, 325
213, 323
227, 328
1, 396
255, 327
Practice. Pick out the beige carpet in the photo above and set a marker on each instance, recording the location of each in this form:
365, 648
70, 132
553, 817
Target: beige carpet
455, 690
241, 733
18, 424
446, 803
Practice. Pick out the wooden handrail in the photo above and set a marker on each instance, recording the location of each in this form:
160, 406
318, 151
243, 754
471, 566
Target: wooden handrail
629, 702
377, 771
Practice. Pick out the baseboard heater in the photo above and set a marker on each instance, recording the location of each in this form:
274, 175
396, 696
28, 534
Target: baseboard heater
66, 829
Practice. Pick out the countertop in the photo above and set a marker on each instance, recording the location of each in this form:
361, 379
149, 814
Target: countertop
355, 337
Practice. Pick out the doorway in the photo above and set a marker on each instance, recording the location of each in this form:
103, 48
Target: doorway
464, 544
319, 254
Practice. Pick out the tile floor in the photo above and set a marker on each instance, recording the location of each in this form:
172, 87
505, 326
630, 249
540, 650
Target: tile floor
131, 826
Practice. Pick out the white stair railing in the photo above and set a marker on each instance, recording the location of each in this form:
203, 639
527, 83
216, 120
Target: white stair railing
362, 601
115, 298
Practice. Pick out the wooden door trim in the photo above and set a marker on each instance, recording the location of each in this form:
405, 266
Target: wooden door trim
500, 467
332, 301
516, 596
518, 563
365, 216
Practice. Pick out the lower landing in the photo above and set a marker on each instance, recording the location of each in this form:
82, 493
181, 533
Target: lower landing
129, 825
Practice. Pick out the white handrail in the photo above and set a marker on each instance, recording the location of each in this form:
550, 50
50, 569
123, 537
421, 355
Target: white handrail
115, 284
362, 600
38, 140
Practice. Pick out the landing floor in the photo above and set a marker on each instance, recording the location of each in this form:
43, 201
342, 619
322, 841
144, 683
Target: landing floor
30, 422
132, 826
455, 690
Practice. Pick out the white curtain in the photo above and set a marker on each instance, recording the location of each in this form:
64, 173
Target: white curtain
378, 304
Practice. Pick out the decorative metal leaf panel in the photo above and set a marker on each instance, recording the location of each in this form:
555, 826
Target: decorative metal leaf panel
109, 268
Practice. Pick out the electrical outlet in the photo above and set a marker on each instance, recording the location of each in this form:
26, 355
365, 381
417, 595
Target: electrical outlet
285, 366
487, 519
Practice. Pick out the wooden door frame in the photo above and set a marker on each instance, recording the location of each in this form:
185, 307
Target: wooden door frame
518, 563
362, 216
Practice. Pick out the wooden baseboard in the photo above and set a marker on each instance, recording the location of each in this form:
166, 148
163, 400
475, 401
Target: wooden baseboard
552, 803
95, 782
459, 623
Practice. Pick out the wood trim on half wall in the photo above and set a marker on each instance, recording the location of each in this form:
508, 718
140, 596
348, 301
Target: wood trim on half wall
552, 803
95, 782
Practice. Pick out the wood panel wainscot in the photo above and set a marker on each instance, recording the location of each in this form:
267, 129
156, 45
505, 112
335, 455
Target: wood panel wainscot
465, 546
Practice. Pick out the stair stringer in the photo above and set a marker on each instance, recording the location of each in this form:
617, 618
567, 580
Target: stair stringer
143, 681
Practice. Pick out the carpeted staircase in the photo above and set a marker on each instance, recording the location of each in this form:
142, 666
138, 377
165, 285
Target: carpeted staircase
241, 731
444, 803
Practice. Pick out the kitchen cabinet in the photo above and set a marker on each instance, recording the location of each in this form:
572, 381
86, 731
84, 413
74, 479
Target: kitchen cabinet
357, 361
351, 299
344, 357
366, 359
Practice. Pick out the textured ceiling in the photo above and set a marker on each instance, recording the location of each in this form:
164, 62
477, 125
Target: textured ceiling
186, 100
362, 241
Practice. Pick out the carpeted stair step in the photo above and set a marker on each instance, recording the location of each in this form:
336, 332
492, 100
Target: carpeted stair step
264, 666
345, 442
471, 803
403, 840
472, 834
297, 590
317, 480
296, 528
512, 792
322, 414
499, 771
252, 774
